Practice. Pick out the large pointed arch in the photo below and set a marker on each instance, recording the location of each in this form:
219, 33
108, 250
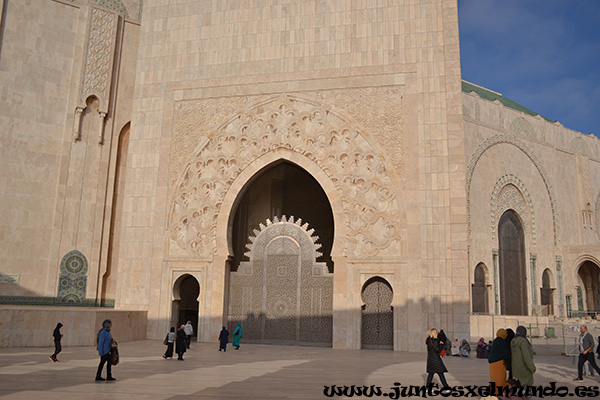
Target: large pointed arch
512, 140
337, 147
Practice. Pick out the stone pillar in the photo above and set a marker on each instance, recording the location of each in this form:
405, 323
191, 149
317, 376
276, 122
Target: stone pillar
496, 284
532, 265
561, 304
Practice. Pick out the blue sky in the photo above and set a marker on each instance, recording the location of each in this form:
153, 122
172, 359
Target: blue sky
543, 54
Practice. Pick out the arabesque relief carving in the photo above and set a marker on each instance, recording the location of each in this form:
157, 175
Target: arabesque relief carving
358, 171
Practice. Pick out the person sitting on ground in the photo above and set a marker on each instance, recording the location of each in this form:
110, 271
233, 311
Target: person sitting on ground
482, 349
465, 348
455, 348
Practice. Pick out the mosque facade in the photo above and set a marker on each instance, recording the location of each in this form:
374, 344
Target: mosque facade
315, 170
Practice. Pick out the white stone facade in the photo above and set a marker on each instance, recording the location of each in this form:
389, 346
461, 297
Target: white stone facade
131, 141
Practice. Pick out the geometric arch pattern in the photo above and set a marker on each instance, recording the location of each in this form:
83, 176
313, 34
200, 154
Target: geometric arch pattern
72, 282
359, 172
521, 126
512, 140
510, 193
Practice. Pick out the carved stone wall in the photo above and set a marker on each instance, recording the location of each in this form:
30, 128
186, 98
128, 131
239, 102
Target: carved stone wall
234, 132
99, 57
509, 139
282, 293
510, 193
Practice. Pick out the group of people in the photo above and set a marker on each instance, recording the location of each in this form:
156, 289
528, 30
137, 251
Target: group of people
179, 341
459, 350
511, 353
224, 337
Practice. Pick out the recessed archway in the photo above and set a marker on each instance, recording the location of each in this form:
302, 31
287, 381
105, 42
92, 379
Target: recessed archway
479, 293
280, 268
547, 292
186, 290
589, 273
377, 323
513, 278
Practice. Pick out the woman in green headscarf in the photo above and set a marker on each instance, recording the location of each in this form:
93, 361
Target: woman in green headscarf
498, 354
237, 335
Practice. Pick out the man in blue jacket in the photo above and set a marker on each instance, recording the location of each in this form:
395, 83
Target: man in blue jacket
104, 340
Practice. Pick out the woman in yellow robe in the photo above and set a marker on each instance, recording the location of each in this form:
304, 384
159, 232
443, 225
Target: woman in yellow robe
498, 354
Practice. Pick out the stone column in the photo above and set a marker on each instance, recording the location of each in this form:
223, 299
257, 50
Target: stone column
561, 304
496, 284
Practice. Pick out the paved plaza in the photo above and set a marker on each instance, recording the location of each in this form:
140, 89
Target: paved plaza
253, 372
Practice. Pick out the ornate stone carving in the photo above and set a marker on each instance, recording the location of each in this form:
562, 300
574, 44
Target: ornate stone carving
116, 5
579, 145
297, 304
510, 193
99, 57
510, 139
357, 170
378, 110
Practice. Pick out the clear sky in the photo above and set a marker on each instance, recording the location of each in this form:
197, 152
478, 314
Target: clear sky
543, 54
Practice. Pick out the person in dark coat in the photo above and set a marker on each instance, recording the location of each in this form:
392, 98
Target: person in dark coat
497, 359
482, 349
510, 335
57, 346
442, 338
181, 343
223, 339
435, 365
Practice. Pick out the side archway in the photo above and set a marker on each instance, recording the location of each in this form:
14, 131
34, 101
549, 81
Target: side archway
377, 322
479, 297
588, 273
186, 291
512, 271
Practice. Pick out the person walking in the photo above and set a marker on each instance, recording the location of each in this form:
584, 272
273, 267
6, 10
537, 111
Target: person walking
181, 343
189, 331
57, 338
586, 344
170, 340
497, 359
237, 336
510, 334
223, 339
104, 348
435, 365
523, 367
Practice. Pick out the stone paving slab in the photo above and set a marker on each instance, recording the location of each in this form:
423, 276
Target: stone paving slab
253, 372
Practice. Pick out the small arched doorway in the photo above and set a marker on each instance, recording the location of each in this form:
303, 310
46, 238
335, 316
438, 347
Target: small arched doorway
546, 293
185, 303
377, 324
513, 275
479, 291
589, 273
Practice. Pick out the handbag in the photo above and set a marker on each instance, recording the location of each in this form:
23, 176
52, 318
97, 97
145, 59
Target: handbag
114, 352
166, 341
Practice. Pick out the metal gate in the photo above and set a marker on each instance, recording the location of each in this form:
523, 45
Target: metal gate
377, 315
